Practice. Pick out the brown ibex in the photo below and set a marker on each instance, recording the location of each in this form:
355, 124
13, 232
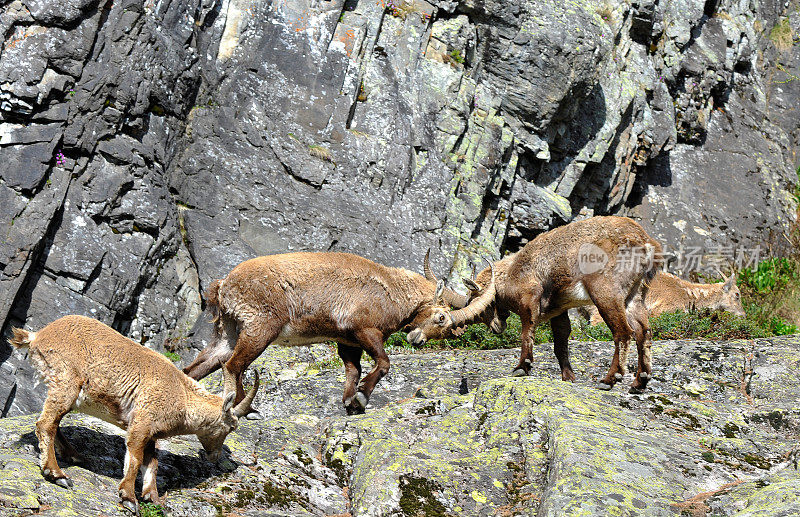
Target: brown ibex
669, 293
607, 261
91, 368
304, 298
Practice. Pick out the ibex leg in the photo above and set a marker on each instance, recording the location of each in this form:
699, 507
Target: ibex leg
611, 306
639, 322
561, 331
351, 357
60, 399
67, 450
137, 440
253, 339
150, 467
372, 342
529, 317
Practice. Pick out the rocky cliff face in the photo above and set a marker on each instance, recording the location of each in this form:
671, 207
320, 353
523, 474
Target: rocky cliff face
148, 148
449, 433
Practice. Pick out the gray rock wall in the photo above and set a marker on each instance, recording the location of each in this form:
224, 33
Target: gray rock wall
149, 148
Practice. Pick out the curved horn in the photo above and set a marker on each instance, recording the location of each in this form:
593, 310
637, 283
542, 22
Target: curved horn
228, 379
243, 407
469, 313
426, 267
452, 298
455, 299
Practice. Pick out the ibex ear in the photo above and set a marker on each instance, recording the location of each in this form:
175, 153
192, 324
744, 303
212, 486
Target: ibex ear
227, 401
471, 284
729, 283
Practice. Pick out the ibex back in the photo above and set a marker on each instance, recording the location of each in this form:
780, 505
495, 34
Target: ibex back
607, 261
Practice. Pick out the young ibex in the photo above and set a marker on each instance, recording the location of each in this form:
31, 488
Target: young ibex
607, 261
91, 368
669, 293
305, 298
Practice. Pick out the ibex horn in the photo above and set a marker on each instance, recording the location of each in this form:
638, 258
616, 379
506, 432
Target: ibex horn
469, 313
228, 379
229, 383
244, 407
426, 267
452, 298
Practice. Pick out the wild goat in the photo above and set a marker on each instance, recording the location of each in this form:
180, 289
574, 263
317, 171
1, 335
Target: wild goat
607, 261
91, 368
669, 293
303, 298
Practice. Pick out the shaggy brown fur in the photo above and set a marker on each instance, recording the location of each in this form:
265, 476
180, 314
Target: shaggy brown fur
670, 293
304, 298
546, 278
91, 368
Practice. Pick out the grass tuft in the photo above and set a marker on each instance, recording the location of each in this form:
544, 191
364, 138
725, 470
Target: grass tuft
771, 294
172, 356
402, 8
151, 510
323, 153
781, 35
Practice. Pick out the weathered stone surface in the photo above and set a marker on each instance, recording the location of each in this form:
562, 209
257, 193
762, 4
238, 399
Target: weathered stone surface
449, 433
150, 147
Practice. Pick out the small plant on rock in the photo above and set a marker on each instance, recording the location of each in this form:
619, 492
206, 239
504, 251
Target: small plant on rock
781, 35
402, 8
323, 153
172, 356
456, 56
61, 160
606, 12
150, 510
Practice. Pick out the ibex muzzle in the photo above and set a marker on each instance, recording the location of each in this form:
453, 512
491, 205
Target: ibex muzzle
443, 323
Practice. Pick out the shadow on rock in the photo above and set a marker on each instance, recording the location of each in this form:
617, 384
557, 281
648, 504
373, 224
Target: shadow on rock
104, 455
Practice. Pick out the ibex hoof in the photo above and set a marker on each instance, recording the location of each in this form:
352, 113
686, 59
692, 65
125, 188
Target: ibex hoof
131, 507
356, 405
151, 497
254, 415
604, 386
519, 372
645, 376
361, 400
64, 482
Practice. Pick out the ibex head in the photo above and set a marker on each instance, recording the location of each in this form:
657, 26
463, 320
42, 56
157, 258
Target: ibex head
731, 299
438, 321
227, 420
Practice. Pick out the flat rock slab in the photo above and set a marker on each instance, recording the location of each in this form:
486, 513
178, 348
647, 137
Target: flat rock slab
451, 433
